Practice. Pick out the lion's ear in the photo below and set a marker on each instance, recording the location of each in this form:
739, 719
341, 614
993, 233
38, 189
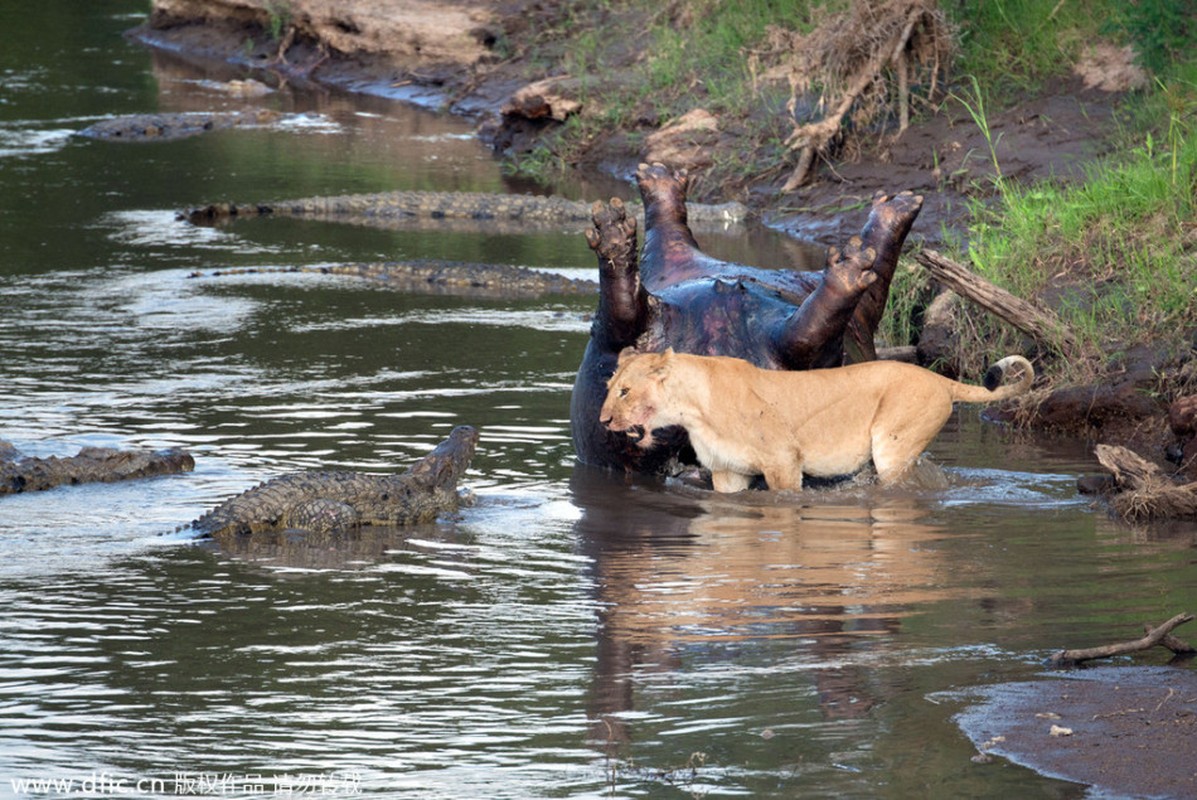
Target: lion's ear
626, 353
661, 369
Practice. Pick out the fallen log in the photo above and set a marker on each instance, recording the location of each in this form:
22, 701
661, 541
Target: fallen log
1142, 490
1160, 635
1038, 323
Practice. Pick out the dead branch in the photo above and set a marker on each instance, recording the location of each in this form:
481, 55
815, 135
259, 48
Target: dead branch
1173, 643
1144, 490
1130, 470
1155, 636
816, 135
1038, 323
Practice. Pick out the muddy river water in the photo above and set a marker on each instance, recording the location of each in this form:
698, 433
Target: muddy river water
571, 635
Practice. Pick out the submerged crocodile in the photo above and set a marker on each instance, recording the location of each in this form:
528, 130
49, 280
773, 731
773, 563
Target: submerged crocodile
90, 465
430, 276
386, 207
162, 126
325, 502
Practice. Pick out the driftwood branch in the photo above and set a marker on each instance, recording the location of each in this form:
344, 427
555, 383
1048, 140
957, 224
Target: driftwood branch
1155, 636
1173, 643
1129, 470
1040, 324
1144, 491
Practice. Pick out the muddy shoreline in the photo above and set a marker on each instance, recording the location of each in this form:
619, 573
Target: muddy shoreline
943, 158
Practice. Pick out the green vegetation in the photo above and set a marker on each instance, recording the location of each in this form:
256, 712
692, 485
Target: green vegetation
671, 59
732, 59
1114, 254
280, 16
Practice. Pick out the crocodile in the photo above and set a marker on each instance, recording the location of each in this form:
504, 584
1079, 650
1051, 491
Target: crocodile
334, 501
164, 126
431, 276
90, 465
386, 208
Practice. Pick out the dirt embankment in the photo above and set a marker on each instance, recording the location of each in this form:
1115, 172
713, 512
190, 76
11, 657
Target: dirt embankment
457, 55
434, 52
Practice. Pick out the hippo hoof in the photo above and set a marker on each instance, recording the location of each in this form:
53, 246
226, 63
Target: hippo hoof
851, 270
660, 184
891, 210
613, 237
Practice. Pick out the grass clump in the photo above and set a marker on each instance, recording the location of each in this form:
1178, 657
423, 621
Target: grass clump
1114, 255
1013, 46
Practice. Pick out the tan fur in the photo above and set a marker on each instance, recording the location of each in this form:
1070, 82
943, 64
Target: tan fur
745, 421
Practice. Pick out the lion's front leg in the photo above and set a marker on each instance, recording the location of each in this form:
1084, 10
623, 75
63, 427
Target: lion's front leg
785, 476
728, 481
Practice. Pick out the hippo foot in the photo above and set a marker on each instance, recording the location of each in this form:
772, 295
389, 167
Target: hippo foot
850, 271
613, 237
662, 186
895, 212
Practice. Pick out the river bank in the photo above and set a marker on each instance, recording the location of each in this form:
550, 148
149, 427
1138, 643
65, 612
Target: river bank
470, 59
462, 58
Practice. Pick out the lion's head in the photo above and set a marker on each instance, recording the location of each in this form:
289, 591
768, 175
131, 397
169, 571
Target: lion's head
634, 397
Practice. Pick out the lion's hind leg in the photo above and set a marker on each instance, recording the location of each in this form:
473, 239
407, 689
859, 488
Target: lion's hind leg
899, 445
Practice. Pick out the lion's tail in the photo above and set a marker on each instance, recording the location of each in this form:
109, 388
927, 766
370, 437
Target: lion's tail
993, 390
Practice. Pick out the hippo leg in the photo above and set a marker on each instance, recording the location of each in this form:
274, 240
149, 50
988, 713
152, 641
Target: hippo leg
885, 232
623, 301
671, 253
813, 336
623, 315
851, 298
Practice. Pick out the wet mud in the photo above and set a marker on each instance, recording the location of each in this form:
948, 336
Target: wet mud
1126, 731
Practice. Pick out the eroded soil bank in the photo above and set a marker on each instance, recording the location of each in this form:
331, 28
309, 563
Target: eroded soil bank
456, 55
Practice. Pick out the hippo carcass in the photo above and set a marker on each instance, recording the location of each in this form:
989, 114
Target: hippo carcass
677, 296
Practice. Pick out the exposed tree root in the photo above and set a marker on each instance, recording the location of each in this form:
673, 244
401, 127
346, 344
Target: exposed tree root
862, 62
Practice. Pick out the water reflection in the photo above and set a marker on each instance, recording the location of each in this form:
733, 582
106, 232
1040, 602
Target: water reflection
676, 576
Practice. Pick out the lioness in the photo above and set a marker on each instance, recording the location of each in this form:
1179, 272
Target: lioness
745, 421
